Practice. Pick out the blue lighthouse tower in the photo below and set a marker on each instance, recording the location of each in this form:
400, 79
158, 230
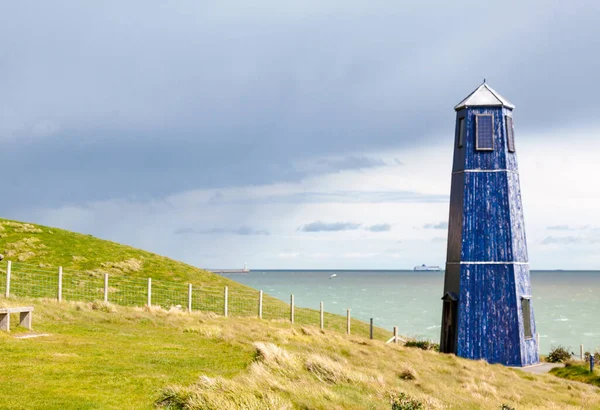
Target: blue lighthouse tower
487, 310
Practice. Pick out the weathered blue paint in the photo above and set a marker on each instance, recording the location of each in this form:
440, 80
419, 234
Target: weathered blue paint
487, 262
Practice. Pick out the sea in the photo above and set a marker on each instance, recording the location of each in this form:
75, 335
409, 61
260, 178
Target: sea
566, 304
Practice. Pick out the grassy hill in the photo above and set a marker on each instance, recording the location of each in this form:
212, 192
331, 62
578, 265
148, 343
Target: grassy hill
98, 356
95, 355
51, 247
36, 251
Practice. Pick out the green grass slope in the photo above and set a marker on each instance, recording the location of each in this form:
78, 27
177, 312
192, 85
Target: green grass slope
104, 356
98, 356
51, 247
579, 371
36, 251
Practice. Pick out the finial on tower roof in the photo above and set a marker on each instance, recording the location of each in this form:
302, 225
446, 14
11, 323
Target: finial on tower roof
484, 96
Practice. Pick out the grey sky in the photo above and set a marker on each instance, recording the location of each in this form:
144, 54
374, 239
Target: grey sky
140, 100
143, 98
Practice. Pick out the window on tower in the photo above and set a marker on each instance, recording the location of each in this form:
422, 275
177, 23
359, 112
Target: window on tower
510, 134
485, 132
461, 132
526, 305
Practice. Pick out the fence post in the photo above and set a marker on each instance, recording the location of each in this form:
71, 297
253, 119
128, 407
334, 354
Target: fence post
149, 292
8, 267
292, 309
592, 363
371, 329
59, 292
348, 321
189, 297
581, 353
322, 317
260, 303
106, 287
395, 334
226, 298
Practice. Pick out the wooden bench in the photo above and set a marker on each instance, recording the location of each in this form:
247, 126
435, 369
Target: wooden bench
25, 319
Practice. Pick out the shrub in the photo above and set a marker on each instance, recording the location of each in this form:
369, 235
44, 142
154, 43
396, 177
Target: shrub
558, 354
587, 355
506, 407
405, 402
423, 344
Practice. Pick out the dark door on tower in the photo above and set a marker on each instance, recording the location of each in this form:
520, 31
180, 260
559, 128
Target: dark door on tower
449, 325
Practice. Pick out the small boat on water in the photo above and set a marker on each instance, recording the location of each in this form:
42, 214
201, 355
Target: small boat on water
333, 276
428, 268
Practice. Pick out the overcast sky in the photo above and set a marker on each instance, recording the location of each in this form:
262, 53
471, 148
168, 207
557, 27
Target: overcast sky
308, 134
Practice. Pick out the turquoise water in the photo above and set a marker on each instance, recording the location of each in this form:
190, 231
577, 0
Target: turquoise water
566, 303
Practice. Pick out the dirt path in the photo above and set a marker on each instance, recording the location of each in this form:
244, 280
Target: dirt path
541, 368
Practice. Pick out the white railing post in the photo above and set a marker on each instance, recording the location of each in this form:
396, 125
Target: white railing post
189, 297
149, 292
581, 352
226, 297
395, 334
60, 276
260, 303
292, 318
8, 268
322, 317
348, 321
106, 287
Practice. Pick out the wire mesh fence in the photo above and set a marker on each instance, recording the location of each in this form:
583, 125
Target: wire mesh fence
26, 280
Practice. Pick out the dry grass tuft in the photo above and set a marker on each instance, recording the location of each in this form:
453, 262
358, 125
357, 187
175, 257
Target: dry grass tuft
408, 373
23, 256
23, 249
273, 356
152, 309
218, 394
102, 306
21, 227
126, 266
310, 331
330, 371
176, 309
208, 331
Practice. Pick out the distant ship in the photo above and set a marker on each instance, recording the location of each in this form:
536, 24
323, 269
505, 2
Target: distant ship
428, 268
226, 271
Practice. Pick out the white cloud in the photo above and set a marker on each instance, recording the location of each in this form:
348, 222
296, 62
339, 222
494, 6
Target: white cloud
558, 189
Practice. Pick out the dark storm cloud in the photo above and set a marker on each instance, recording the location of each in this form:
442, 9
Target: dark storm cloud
319, 226
242, 230
145, 99
439, 225
379, 228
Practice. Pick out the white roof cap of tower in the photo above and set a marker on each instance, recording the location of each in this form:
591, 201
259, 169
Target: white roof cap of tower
484, 96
